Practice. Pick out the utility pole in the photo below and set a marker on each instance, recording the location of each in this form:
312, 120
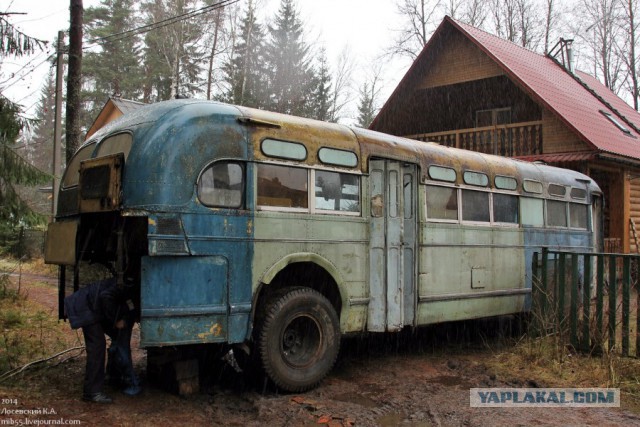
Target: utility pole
74, 79
57, 128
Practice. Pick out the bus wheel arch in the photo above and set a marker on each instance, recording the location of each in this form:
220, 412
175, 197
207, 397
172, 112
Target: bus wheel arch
297, 322
303, 270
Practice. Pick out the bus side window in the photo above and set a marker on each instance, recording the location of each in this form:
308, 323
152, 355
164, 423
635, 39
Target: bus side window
282, 186
579, 215
556, 213
505, 208
222, 185
442, 203
475, 206
337, 191
531, 211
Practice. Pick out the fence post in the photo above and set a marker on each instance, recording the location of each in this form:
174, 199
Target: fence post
544, 283
573, 314
586, 304
562, 278
600, 301
612, 302
626, 281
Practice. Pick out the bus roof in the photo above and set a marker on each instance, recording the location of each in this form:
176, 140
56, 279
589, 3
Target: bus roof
173, 141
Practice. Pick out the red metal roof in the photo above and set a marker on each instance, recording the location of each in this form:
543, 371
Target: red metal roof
552, 87
559, 157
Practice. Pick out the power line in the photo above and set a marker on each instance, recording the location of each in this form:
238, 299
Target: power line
156, 25
19, 79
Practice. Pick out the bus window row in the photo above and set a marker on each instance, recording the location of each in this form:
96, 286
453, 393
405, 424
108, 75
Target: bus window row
280, 187
451, 204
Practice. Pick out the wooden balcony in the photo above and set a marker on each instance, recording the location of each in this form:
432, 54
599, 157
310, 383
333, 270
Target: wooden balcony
512, 140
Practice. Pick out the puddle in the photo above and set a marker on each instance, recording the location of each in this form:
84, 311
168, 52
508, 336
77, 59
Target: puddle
356, 398
449, 380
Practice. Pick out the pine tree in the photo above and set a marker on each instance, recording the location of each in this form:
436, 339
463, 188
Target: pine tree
366, 105
244, 72
173, 54
322, 94
115, 69
14, 170
39, 148
15, 43
288, 62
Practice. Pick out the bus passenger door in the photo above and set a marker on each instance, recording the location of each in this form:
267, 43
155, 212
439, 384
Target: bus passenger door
392, 245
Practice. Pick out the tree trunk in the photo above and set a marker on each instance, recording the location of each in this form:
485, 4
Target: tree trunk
74, 80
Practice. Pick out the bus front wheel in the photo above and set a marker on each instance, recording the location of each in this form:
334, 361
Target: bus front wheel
299, 339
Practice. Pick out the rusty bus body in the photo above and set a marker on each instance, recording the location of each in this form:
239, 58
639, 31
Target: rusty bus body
244, 226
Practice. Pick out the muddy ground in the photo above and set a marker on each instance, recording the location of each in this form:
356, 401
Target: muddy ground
414, 379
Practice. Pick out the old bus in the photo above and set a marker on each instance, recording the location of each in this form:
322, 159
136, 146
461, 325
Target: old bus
281, 234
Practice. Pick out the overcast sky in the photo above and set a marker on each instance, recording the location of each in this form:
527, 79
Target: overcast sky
365, 26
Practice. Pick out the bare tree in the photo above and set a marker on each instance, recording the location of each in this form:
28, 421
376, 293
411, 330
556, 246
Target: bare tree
517, 21
628, 47
341, 93
602, 19
418, 17
369, 93
551, 19
529, 23
475, 13
505, 19
454, 8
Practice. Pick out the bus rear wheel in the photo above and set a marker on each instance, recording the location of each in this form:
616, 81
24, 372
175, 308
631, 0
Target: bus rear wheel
299, 339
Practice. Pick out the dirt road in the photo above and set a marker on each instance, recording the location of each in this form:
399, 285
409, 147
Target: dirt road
420, 379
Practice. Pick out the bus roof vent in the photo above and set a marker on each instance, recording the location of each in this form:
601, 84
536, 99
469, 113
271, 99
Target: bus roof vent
256, 122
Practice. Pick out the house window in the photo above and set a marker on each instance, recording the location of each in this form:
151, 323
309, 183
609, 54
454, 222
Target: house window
493, 117
613, 119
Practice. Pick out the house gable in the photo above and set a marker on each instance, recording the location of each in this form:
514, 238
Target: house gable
458, 61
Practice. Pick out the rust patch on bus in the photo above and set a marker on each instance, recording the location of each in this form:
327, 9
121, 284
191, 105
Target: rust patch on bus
214, 331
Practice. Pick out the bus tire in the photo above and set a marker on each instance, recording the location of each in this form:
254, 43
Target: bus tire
299, 339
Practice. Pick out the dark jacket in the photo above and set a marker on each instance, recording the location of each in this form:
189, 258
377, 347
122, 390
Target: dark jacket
97, 302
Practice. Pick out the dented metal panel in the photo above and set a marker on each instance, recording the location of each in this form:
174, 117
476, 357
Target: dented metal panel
60, 244
184, 300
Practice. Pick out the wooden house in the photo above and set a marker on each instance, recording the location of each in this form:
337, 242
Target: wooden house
113, 108
475, 91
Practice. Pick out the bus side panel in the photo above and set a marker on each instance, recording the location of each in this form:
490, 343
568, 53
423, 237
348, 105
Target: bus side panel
184, 300
340, 240
469, 272
227, 235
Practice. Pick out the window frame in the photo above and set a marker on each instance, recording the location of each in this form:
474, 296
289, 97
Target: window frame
505, 224
544, 211
547, 216
312, 202
588, 219
461, 207
311, 195
442, 220
243, 195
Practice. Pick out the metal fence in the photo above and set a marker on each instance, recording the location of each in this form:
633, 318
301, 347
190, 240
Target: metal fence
591, 296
